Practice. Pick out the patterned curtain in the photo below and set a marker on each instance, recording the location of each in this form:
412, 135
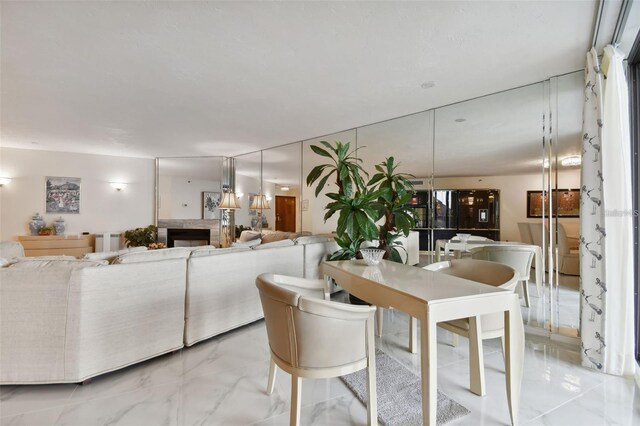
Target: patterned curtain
605, 221
592, 231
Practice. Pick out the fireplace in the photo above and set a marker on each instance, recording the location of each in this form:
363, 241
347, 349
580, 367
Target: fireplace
178, 237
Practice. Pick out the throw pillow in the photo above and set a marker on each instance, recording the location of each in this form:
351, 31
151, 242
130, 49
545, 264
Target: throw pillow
250, 243
248, 236
281, 243
274, 236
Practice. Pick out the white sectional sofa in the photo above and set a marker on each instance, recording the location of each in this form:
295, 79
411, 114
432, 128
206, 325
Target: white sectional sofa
65, 320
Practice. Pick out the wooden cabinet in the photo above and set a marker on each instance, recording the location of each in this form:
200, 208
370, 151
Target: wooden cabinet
53, 245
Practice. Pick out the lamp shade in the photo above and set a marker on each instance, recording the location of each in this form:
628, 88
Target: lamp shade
259, 203
229, 201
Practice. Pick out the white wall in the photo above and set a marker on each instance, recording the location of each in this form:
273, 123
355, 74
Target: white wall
513, 197
102, 208
181, 197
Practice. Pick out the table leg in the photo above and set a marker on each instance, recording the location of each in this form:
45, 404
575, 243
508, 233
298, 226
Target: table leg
514, 356
429, 371
413, 335
476, 357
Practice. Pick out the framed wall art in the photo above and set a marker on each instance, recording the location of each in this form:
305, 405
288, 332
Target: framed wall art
566, 203
62, 194
210, 203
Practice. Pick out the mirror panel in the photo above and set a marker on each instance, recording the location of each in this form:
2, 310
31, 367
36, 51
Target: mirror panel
409, 140
567, 92
183, 188
248, 185
312, 208
281, 174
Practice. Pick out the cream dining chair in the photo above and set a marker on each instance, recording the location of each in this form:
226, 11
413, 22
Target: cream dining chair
490, 326
315, 338
519, 257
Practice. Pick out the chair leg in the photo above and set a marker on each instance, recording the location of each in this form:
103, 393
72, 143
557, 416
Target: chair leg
413, 335
372, 403
476, 357
503, 346
296, 388
379, 320
272, 377
525, 291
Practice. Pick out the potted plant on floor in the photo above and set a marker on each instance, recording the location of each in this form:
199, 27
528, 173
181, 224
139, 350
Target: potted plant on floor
356, 205
141, 236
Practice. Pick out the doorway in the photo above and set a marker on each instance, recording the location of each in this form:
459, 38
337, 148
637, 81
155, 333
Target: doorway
285, 213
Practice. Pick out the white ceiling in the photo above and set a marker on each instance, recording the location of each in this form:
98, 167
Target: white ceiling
210, 78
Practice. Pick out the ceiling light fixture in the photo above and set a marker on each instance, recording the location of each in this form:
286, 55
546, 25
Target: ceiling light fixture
460, 120
428, 84
572, 161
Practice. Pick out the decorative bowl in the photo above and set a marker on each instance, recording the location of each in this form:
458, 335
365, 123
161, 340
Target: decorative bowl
372, 256
463, 237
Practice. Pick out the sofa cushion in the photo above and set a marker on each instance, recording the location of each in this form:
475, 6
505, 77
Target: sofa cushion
32, 263
153, 255
274, 236
311, 239
10, 249
250, 243
110, 256
280, 243
248, 236
215, 252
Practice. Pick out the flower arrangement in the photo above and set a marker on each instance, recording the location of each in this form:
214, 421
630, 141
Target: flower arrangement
141, 236
155, 246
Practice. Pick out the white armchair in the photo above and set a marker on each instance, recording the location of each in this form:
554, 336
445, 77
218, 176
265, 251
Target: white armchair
315, 338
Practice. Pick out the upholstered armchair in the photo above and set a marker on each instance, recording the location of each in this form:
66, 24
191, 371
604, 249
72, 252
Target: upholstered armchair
312, 337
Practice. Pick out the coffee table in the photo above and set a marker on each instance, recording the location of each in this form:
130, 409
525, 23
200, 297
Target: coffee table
432, 297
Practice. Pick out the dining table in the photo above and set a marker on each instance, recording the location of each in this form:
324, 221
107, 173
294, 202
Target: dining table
432, 297
458, 247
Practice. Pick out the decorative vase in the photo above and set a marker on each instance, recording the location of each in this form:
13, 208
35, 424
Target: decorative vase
59, 225
37, 223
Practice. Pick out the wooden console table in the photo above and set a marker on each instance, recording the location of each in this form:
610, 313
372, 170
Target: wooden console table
52, 245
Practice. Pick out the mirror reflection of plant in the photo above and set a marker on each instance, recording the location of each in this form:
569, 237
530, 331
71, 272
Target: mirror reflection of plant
395, 190
355, 204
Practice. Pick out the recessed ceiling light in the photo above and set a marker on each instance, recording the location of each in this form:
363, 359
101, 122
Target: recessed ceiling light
428, 84
460, 120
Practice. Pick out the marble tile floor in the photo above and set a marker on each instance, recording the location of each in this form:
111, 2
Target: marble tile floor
221, 382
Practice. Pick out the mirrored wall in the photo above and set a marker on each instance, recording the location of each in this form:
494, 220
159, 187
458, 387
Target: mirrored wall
485, 166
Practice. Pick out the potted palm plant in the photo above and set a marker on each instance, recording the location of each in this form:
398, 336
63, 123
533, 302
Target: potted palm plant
356, 205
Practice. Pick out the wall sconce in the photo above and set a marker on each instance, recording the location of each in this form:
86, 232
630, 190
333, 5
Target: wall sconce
4, 181
284, 188
118, 186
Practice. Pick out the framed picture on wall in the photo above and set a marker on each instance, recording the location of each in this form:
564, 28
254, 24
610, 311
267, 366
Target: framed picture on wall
566, 203
210, 203
62, 194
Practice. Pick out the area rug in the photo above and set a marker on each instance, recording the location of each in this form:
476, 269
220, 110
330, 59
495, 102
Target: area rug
399, 394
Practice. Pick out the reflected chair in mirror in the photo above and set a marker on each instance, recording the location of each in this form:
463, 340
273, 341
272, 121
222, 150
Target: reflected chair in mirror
525, 233
476, 329
568, 260
312, 337
519, 257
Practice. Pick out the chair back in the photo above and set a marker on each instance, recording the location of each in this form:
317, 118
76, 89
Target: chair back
563, 243
525, 232
308, 332
485, 272
519, 257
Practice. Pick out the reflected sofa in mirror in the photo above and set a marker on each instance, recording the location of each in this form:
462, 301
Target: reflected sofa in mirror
188, 193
